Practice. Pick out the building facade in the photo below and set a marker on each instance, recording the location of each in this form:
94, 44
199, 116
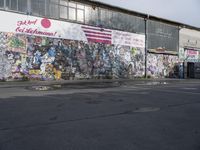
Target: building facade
67, 40
189, 52
163, 44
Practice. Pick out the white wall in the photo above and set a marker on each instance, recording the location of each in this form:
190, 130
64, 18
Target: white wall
189, 38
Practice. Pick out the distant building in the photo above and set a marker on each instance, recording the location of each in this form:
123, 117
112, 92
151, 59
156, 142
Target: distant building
67, 40
189, 53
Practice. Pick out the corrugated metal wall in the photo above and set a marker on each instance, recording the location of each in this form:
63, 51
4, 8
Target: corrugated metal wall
161, 35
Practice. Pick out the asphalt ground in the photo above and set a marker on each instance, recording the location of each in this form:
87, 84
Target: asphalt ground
156, 115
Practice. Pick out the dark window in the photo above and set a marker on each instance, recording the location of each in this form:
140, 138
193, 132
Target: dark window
91, 15
7, 4
16, 5
53, 11
1, 3
106, 18
13, 4
22, 5
63, 9
162, 36
121, 21
38, 7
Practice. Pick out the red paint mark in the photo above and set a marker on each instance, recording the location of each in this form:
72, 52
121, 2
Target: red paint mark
45, 23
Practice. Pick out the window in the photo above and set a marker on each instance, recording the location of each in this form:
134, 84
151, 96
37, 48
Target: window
80, 12
91, 15
63, 3
63, 12
52, 8
1, 3
22, 5
53, 11
106, 18
72, 4
16, 5
80, 15
38, 7
79, 6
72, 11
63, 9
12, 4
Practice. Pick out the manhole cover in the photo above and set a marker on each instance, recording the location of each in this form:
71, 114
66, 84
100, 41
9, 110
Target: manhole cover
41, 88
146, 109
45, 87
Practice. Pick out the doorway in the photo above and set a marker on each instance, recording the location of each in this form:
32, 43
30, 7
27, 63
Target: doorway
190, 70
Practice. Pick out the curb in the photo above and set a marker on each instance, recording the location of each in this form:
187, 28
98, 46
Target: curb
96, 82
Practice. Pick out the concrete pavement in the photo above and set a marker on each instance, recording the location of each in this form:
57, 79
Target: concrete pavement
126, 117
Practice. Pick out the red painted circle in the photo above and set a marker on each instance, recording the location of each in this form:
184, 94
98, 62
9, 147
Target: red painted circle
45, 23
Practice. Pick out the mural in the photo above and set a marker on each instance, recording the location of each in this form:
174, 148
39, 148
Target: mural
161, 66
44, 58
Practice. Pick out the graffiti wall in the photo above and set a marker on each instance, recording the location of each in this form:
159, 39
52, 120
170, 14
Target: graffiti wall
162, 66
12, 55
42, 58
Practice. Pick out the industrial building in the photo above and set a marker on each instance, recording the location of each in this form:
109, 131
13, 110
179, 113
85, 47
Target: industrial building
69, 40
189, 52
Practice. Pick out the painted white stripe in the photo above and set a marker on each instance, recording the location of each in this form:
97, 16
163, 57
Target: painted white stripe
97, 29
89, 30
92, 34
91, 37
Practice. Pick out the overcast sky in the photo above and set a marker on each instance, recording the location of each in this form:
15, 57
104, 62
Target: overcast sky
184, 11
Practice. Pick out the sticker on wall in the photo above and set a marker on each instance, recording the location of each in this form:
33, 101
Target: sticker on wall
128, 39
191, 55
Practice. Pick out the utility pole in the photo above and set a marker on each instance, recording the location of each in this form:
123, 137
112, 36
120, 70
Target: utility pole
146, 43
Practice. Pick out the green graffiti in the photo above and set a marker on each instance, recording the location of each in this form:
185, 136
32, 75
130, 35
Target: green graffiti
16, 43
133, 51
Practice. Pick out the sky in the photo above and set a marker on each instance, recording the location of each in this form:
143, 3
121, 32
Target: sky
183, 11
